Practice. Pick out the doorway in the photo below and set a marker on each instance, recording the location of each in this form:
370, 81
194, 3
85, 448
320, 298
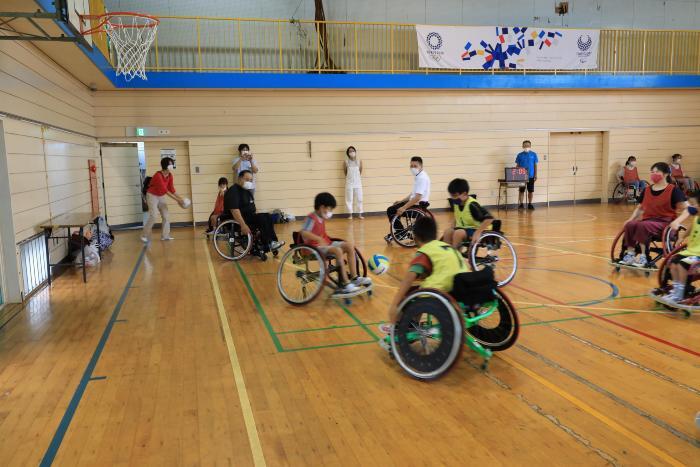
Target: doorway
575, 167
121, 177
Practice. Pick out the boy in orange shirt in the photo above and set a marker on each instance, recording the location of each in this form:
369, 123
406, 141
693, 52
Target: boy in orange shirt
218, 205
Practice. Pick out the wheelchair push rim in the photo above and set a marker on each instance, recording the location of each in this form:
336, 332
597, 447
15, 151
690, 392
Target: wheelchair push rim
230, 243
500, 330
301, 275
404, 235
503, 260
428, 337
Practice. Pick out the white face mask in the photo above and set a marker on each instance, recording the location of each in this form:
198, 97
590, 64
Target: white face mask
415, 171
248, 185
351, 155
171, 167
328, 214
526, 149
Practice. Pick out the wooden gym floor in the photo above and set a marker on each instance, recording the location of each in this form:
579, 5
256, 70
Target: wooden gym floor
171, 356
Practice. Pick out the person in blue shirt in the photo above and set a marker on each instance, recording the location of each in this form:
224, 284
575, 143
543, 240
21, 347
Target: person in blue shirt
528, 160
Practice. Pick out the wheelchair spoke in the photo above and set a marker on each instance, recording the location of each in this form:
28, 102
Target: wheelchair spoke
300, 275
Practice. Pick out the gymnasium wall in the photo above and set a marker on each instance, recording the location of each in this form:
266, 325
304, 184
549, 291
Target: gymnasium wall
48, 167
473, 134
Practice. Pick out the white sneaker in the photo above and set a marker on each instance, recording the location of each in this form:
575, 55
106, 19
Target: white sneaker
347, 288
628, 259
385, 328
166, 239
276, 245
362, 281
145, 239
360, 216
640, 262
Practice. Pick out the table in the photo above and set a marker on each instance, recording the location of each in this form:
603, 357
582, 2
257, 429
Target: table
67, 221
503, 186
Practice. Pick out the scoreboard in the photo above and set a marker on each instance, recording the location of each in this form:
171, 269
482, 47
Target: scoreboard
516, 174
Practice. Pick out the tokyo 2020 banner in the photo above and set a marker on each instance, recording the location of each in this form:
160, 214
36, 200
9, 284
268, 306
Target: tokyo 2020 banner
507, 48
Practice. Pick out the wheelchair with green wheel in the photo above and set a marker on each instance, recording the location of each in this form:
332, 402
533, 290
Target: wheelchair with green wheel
432, 326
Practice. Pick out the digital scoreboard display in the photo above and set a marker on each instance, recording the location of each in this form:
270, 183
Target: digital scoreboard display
516, 174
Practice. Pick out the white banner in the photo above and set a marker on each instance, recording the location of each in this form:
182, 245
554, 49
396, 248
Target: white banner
507, 48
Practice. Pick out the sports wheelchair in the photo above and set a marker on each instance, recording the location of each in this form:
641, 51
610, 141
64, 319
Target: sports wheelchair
493, 251
691, 300
433, 327
625, 192
658, 247
231, 244
680, 184
402, 225
304, 270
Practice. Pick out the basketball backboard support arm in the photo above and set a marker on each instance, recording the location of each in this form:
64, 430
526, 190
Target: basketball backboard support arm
31, 25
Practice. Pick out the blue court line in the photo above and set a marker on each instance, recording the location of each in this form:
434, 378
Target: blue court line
614, 290
52, 450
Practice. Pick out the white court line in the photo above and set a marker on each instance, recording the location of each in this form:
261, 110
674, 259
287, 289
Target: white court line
563, 251
248, 417
556, 305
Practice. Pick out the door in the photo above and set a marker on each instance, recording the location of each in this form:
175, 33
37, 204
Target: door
575, 166
183, 181
122, 184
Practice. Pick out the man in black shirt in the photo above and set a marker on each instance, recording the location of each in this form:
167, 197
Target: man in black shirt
240, 204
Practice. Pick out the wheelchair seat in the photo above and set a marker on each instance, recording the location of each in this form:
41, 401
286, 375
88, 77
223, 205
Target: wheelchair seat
474, 288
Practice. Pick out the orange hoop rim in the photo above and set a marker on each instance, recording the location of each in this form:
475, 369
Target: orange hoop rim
106, 17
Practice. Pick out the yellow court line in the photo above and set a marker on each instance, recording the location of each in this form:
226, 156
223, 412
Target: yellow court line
593, 412
248, 418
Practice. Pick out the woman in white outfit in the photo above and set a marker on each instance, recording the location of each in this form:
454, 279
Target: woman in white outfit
353, 181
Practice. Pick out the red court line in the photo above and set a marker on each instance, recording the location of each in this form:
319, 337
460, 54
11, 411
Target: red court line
615, 323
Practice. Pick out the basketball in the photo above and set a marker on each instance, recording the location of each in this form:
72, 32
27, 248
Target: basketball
378, 264
186, 203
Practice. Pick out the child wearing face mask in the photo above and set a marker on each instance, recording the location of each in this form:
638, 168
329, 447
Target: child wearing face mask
630, 175
218, 205
161, 185
658, 205
677, 174
314, 233
353, 181
690, 256
470, 218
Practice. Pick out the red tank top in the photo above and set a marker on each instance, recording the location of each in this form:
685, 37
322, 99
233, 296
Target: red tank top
677, 172
659, 206
631, 175
319, 228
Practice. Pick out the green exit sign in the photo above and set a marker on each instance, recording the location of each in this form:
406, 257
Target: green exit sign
140, 132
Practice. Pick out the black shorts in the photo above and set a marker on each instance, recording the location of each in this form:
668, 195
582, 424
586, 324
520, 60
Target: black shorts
530, 186
678, 259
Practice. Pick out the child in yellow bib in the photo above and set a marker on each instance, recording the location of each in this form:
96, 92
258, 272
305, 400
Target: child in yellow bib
470, 218
681, 263
435, 265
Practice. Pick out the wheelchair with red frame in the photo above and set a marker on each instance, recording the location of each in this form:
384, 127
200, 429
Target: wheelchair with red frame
231, 244
305, 270
433, 327
691, 297
658, 247
402, 225
624, 191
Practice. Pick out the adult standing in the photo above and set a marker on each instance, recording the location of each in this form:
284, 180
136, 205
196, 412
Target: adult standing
161, 185
353, 181
420, 194
527, 159
245, 161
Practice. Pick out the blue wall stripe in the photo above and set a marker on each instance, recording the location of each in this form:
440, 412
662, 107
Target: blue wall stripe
57, 439
223, 80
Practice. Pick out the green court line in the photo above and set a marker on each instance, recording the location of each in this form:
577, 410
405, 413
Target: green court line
328, 346
329, 328
359, 323
261, 311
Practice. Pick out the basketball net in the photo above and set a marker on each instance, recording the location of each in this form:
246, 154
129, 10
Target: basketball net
131, 35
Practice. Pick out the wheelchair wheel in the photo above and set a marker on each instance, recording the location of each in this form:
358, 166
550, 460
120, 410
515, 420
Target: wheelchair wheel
494, 250
500, 330
428, 337
229, 242
619, 193
670, 238
664, 275
360, 262
402, 226
616, 255
301, 275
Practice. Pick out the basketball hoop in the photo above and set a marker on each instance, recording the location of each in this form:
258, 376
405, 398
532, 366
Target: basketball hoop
131, 35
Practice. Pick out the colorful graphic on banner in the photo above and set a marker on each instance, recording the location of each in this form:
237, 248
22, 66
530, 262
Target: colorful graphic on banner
507, 48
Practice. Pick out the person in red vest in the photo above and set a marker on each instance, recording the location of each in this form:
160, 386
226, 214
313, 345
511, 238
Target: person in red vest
628, 174
658, 206
678, 176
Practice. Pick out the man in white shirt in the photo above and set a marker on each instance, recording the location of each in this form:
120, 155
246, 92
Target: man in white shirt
420, 194
245, 161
